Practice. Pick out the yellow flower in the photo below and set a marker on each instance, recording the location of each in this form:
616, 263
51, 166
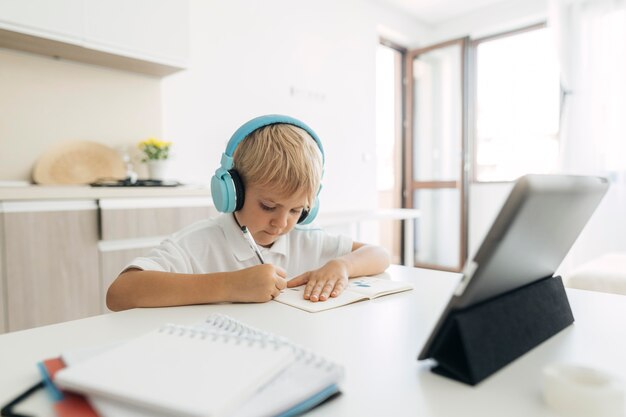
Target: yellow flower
154, 149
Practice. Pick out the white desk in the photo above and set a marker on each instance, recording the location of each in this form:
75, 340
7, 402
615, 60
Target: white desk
377, 341
354, 218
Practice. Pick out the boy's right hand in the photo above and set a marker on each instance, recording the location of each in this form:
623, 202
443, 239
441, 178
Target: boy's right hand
256, 284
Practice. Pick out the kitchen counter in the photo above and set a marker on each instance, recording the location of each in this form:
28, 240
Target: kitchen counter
60, 241
77, 192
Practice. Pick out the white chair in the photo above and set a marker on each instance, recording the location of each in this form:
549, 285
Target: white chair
606, 274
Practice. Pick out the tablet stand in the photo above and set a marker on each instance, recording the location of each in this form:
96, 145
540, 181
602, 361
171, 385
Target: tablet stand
478, 340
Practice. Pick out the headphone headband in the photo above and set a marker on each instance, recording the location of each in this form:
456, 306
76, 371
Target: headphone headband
262, 121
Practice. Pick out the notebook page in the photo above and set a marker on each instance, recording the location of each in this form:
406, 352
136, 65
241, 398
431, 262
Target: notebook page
376, 286
179, 370
309, 374
294, 297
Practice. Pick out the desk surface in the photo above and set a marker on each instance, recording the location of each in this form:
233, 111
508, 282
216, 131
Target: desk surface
332, 218
377, 341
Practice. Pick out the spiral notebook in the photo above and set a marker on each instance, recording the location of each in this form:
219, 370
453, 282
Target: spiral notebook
180, 370
303, 380
308, 381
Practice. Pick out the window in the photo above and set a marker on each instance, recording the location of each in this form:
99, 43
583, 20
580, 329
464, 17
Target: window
388, 72
517, 95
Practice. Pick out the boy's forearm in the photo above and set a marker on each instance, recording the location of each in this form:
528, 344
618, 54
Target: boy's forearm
137, 288
366, 260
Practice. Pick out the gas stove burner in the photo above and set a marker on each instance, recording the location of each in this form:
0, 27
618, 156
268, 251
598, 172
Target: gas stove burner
110, 182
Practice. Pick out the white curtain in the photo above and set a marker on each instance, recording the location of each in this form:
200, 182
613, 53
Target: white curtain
591, 42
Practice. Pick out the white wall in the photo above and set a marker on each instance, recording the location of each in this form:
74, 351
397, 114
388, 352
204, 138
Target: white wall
44, 101
311, 60
492, 19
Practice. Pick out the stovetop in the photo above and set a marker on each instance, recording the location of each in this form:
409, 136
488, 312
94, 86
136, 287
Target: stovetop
139, 183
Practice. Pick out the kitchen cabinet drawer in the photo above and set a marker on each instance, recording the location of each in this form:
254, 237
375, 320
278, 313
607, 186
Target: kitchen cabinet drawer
112, 262
50, 262
58, 257
148, 217
3, 293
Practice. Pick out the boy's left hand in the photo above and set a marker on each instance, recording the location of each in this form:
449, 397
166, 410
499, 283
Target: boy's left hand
328, 281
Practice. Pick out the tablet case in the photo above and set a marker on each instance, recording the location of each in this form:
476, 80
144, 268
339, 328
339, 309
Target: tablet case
479, 340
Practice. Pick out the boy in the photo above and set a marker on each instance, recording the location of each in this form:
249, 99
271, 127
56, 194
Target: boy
269, 180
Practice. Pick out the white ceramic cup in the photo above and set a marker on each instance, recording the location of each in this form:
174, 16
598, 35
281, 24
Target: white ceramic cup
581, 391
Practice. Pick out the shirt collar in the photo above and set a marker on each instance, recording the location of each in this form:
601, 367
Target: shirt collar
280, 246
238, 244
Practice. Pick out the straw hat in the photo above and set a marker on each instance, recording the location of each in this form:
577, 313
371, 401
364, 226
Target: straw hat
78, 162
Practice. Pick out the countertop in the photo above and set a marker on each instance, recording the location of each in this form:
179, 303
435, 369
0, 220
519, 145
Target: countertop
85, 192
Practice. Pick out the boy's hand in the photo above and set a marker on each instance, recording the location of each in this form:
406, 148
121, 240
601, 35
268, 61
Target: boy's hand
256, 284
327, 281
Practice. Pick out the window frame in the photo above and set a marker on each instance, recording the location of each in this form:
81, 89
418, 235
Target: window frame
401, 94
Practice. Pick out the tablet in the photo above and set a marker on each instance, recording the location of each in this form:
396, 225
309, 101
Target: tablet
535, 228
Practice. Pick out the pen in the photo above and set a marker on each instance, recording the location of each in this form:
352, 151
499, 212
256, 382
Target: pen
252, 243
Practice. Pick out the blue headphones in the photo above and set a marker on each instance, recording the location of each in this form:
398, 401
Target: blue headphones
227, 187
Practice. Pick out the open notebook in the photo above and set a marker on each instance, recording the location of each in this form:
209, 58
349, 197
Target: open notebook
300, 380
359, 289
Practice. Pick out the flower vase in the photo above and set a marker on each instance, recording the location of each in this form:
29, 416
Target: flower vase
157, 169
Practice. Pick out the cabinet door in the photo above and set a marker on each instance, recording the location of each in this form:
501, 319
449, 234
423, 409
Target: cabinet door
61, 20
52, 270
111, 264
3, 293
130, 227
148, 217
156, 30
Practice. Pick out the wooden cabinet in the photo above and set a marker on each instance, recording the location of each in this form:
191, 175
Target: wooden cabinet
50, 262
58, 257
113, 260
132, 218
3, 318
146, 36
131, 227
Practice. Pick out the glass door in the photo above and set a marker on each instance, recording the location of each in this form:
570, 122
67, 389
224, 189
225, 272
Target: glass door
436, 177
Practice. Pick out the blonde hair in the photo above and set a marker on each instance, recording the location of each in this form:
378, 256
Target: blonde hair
282, 156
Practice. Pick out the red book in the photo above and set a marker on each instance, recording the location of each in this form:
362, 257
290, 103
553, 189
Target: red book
66, 404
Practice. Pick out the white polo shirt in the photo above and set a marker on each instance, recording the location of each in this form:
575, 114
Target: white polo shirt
218, 245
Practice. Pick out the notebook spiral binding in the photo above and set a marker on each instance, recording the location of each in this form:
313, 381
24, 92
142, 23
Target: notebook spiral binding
209, 334
226, 325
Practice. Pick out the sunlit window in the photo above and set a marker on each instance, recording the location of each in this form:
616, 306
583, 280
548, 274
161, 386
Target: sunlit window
387, 61
517, 106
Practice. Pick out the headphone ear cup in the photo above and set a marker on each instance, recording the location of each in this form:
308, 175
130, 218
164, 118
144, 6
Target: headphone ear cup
303, 216
227, 191
308, 216
239, 191
222, 193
